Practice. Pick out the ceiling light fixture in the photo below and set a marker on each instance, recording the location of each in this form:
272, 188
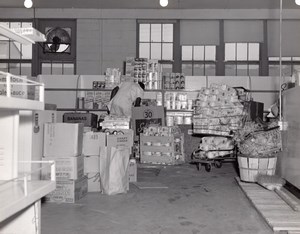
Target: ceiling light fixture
163, 3
28, 3
297, 2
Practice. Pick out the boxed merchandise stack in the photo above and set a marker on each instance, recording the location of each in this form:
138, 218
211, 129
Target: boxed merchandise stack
145, 71
218, 112
63, 144
92, 147
162, 145
174, 80
115, 122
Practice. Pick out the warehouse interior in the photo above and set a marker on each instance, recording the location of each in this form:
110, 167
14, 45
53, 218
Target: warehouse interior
217, 115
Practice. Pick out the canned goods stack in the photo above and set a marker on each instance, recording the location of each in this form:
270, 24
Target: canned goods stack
175, 118
144, 70
178, 101
113, 122
161, 145
174, 80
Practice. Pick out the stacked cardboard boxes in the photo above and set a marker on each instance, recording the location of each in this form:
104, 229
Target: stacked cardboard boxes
63, 144
93, 142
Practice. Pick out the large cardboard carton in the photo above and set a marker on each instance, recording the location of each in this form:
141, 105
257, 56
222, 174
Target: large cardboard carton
93, 182
91, 163
68, 191
63, 139
143, 116
68, 168
31, 138
91, 143
88, 119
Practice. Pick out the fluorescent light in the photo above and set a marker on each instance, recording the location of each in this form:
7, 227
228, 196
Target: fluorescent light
163, 3
28, 3
297, 2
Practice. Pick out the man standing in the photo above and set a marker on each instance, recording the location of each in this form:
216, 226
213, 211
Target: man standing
124, 96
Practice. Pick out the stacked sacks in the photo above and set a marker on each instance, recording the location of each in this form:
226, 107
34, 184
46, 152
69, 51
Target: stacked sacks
218, 111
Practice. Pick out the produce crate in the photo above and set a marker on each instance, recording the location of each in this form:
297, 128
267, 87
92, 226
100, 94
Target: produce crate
162, 149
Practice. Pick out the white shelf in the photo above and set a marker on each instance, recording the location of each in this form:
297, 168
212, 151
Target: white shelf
13, 200
6, 32
13, 103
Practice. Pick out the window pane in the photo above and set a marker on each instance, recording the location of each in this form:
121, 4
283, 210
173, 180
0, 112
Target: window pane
199, 53
253, 70
26, 51
5, 24
26, 24
26, 69
15, 25
198, 70
242, 70
210, 69
274, 70
14, 68
286, 59
46, 68
273, 59
155, 51
4, 49
167, 68
167, 53
144, 32
230, 52
296, 58
4, 67
144, 50
187, 53
155, 32
241, 54
56, 69
230, 70
15, 50
167, 32
68, 69
187, 69
210, 53
253, 52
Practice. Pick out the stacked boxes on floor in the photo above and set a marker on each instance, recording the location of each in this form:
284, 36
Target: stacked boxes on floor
93, 145
63, 144
162, 145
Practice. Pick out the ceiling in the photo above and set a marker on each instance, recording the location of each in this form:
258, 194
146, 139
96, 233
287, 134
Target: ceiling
154, 4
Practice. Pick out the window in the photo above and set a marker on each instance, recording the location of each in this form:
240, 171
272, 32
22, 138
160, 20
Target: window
57, 68
289, 64
242, 59
198, 60
156, 42
15, 58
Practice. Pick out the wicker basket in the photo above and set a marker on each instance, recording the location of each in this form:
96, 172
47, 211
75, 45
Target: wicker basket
250, 166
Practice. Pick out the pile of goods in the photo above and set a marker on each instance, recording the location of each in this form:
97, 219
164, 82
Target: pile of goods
212, 147
218, 111
174, 81
144, 70
114, 122
259, 140
161, 145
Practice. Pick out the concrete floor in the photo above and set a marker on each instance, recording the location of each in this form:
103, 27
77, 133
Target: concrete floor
194, 202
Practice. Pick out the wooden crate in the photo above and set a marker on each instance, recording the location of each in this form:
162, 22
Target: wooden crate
162, 149
251, 167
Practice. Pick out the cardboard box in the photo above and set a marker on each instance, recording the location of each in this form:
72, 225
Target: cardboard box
91, 143
143, 116
68, 191
88, 119
132, 171
93, 181
91, 163
69, 168
63, 139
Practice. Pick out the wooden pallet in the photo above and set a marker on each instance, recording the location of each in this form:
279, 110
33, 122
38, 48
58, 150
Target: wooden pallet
279, 216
